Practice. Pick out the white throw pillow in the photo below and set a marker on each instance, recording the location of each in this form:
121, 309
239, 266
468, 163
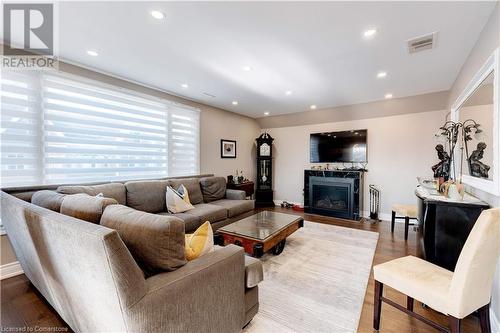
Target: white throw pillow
183, 192
176, 202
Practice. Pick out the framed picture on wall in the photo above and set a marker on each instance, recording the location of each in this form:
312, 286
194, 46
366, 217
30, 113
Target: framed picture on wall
227, 148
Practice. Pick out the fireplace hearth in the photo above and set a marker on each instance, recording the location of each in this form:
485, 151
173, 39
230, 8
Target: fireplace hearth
333, 193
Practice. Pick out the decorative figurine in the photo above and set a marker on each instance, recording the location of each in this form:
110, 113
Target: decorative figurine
442, 169
478, 168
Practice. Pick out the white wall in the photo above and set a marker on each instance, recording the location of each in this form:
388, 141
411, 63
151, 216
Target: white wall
399, 149
216, 125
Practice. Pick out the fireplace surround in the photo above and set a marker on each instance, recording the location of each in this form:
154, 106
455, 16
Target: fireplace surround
333, 193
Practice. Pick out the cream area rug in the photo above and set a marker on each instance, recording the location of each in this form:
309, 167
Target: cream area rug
318, 282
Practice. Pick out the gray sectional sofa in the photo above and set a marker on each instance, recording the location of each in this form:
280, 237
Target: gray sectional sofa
93, 275
212, 201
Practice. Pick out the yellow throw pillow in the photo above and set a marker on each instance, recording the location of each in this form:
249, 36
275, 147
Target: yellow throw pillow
199, 243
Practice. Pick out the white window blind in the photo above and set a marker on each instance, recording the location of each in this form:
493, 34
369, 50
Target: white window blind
183, 140
20, 129
84, 131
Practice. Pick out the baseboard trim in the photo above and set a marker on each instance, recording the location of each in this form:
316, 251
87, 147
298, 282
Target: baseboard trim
11, 269
495, 324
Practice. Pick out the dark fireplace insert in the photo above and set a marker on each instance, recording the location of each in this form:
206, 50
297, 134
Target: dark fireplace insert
333, 193
332, 196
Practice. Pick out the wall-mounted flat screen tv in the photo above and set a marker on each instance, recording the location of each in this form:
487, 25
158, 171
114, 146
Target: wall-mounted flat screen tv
346, 146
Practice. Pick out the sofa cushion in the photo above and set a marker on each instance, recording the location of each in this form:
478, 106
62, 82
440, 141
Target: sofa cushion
193, 187
147, 195
48, 199
191, 222
208, 212
85, 207
213, 188
116, 191
235, 207
155, 241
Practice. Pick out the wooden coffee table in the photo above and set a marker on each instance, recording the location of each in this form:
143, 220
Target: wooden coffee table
260, 233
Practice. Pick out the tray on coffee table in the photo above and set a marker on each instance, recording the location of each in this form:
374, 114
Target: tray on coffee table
260, 233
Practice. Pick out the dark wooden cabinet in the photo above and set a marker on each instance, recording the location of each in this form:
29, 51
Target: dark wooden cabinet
248, 187
445, 226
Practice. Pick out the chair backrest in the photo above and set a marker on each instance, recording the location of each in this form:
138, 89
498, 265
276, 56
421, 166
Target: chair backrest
472, 280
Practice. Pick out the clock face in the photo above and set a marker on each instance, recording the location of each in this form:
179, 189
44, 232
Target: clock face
265, 150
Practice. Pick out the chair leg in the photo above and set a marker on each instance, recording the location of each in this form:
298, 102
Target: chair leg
454, 324
484, 319
409, 303
393, 219
377, 304
407, 225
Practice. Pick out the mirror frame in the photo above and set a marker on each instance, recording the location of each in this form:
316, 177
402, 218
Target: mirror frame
491, 65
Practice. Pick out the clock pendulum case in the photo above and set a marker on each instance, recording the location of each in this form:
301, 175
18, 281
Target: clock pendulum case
264, 191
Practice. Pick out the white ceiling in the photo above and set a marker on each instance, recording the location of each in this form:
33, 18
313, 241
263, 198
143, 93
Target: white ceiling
315, 49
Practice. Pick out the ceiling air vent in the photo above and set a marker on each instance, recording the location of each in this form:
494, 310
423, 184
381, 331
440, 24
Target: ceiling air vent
209, 95
422, 43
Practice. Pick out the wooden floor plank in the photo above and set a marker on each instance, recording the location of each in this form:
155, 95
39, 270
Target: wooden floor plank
22, 305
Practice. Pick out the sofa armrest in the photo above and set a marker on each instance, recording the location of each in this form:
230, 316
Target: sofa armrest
235, 194
206, 293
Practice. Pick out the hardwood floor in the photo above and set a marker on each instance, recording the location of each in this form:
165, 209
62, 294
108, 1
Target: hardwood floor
22, 305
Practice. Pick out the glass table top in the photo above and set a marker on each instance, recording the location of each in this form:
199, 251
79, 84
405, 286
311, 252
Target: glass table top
261, 225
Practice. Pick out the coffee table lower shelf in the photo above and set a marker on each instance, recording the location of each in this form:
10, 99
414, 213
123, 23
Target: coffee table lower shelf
255, 247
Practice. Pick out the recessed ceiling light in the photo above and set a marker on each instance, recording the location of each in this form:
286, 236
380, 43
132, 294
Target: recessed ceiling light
235, 102
266, 113
184, 85
381, 75
92, 53
157, 15
313, 107
388, 96
370, 33
246, 68
288, 92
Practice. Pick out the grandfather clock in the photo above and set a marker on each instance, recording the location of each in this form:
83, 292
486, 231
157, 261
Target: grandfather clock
264, 191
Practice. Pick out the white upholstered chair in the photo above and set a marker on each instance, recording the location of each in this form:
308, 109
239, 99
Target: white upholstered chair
456, 294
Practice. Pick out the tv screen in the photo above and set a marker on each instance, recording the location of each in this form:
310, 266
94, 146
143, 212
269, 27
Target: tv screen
347, 146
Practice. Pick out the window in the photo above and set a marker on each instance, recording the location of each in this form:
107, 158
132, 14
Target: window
64, 129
